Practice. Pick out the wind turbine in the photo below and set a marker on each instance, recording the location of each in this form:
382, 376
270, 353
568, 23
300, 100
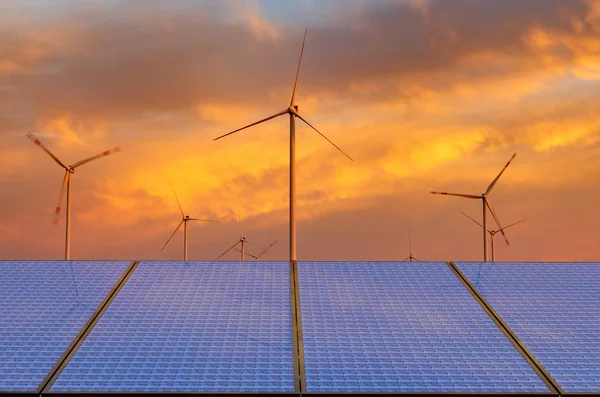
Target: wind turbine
184, 219
257, 257
241, 241
410, 257
493, 232
292, 110
69, 171
485, 203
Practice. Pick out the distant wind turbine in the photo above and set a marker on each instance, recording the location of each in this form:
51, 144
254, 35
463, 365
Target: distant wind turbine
257, 257
410, 257
292, 110
241, 241
493, 232
184, 219
486, 203
69, 170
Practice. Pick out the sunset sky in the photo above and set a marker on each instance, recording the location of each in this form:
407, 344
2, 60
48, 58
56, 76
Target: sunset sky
423, 94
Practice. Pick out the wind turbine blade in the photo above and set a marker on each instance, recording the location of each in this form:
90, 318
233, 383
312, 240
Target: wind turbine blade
298, 71
229, 249
202, 220
500, 228
247, 253
45, 149
417, 259
327, 139
480, 225
104, 153
60, 198
489, 189
266, 249
254, 245
471, 196
178, 226
250, 125
179, 204
512, 224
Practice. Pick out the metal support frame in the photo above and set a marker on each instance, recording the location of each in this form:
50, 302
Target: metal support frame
299, 371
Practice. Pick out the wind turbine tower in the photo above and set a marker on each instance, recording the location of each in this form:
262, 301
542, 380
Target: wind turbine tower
410, 257
494, 232
184, 220
486, 205
292, 111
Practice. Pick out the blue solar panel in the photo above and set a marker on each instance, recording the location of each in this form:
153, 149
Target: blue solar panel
191, 327
402, 327
554, 309
43, 306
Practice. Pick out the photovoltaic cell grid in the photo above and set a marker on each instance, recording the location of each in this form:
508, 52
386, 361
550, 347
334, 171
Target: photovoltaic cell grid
399, 327
43, 306
191, 327
554, 309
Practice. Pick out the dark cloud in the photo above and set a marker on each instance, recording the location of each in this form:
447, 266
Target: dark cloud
123, 59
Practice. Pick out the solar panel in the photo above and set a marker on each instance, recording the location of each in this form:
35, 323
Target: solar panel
177, 327
402, 327
553, 308
43, 306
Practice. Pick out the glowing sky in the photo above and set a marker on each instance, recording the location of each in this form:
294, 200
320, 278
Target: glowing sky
423, 94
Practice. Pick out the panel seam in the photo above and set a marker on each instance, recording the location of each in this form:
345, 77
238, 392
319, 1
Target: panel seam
300, 337
299, 374
84, 332
533, 362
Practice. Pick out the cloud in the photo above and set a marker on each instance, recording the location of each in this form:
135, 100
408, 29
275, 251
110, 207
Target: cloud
137, 59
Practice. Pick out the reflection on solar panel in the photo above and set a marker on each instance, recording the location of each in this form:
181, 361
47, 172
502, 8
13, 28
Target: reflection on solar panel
554, 309
191, 327
409, 327
43, 306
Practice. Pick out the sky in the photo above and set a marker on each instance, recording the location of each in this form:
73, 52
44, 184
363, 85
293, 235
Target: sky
423, 95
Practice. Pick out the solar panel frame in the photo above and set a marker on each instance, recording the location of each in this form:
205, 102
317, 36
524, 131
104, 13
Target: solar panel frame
299, 366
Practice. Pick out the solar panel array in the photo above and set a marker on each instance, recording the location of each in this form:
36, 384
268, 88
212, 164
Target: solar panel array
402, 328
554, 308
364, 327
43, 306
178, 327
